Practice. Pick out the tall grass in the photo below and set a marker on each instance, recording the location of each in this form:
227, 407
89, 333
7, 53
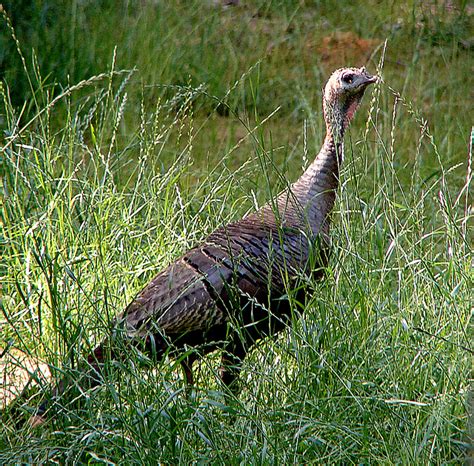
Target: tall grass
109, 179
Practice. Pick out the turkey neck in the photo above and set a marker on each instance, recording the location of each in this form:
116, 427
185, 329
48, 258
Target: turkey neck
314, 193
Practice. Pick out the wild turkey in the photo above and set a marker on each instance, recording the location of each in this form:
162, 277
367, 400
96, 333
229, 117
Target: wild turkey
231, 290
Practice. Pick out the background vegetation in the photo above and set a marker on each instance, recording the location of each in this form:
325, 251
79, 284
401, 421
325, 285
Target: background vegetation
130, 130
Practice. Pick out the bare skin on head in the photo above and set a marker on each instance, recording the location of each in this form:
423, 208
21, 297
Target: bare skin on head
342, 96
228, 292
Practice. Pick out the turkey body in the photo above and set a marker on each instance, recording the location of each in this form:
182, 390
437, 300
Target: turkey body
226, 293
233, 288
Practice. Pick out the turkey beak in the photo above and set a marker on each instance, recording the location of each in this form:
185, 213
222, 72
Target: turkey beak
369, 79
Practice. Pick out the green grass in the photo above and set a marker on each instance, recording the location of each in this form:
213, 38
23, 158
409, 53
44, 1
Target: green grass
130, 133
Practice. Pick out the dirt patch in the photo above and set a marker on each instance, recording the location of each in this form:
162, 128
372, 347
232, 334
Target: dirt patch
17, 370
345, 49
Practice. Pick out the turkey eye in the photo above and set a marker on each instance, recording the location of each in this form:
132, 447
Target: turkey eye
348, 78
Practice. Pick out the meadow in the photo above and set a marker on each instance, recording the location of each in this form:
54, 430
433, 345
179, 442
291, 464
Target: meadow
131, 130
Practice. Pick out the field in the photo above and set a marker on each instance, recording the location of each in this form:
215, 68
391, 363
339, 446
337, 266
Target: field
131, 130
